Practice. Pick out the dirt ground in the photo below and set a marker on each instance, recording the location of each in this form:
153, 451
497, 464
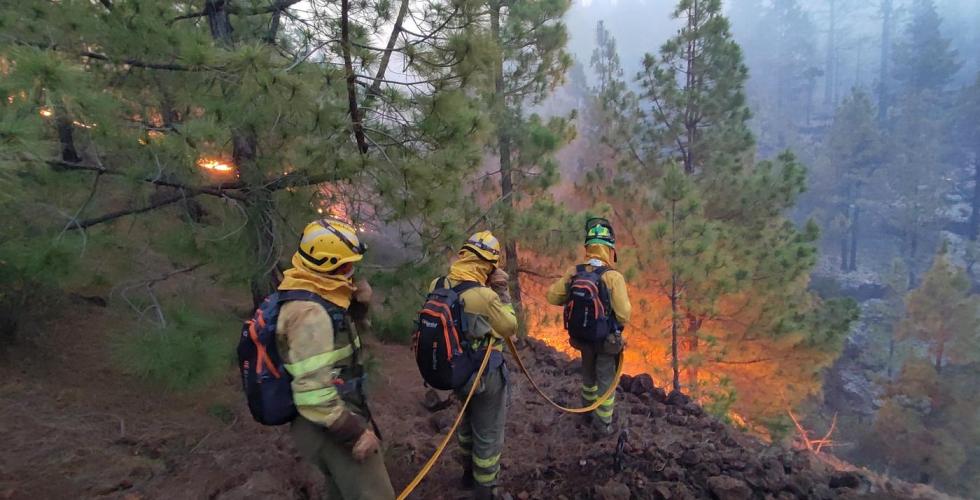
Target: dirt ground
74, 426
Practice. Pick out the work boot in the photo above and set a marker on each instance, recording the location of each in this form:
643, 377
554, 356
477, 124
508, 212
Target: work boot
602, 429
466, 481
482, 492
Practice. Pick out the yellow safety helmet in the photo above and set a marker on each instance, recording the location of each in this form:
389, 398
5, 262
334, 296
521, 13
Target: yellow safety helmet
485, 245
328, 244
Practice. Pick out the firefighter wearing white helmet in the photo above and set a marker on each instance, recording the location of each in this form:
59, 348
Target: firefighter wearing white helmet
487, 309
333, 430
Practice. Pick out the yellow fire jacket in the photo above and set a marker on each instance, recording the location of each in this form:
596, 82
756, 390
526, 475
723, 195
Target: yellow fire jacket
615, 282
481, 301
315, 357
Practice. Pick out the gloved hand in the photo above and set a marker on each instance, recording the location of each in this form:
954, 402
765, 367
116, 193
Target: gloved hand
366, 445
362, 291
498, 282
360, 303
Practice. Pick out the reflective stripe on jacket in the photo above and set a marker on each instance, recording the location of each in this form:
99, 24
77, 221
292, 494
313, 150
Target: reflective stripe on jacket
315, 359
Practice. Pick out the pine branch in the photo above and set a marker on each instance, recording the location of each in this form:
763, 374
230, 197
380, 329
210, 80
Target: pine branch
383, 65
276, 7
137, 63
131, 211
218, 190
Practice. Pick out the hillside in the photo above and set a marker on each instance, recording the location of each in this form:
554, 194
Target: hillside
75, 427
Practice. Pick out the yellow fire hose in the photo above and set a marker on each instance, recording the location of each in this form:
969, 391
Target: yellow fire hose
445, 441
479, 375
602, 399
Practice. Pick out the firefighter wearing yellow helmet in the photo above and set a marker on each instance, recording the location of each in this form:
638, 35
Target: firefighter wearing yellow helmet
599, 357
490, 316
333, 430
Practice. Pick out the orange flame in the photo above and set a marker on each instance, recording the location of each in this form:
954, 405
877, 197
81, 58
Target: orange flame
46, 112
218, 165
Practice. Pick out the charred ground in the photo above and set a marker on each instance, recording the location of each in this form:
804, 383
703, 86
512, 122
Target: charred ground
76, 427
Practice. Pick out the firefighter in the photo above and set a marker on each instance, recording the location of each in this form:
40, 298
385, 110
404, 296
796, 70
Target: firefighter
599, 358
333, 430
489, 312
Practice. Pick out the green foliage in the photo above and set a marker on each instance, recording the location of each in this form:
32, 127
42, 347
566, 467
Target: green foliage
189, 352
717, 249
943, 314
931, 406
924, 59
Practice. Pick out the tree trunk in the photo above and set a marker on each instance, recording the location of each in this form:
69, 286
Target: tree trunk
891, 355
975, 212
829, 74
674, 362
66, 136
886, 41
855, 214
218, 20
345, 46
693, 346
691, 81
511, 255
260, 225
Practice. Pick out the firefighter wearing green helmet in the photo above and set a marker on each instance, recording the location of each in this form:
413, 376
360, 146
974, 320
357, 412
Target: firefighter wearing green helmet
598, 338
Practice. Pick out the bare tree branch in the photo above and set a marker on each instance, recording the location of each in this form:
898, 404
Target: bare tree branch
355, 115
131, 211
383, 65
137, 63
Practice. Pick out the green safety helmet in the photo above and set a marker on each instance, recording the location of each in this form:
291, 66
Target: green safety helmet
598, 231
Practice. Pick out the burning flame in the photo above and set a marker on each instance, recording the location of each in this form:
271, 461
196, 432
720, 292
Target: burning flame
217, 165
84, 125
46, 112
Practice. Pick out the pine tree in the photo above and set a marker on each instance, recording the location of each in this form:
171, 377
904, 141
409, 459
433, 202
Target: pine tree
693, 92
216, 129
924, 58
530, 59
791, 69
931, 407
968, 127
720, 273
924, 64
854, 147
942, 314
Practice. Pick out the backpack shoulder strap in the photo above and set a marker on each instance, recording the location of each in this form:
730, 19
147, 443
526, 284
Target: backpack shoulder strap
464, 286
580, 268
440, 283
291, 295
600, 270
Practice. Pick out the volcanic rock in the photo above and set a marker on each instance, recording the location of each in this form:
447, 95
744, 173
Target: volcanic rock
642, 383
729, 488
689, 458
440, 422
847, 479
677, 398
613, 490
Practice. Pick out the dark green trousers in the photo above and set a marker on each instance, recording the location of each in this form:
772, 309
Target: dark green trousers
346, 478
598, 372
481, 432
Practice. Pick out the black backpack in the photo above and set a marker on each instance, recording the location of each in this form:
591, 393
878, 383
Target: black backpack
588, 313
264, 377
442, 349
